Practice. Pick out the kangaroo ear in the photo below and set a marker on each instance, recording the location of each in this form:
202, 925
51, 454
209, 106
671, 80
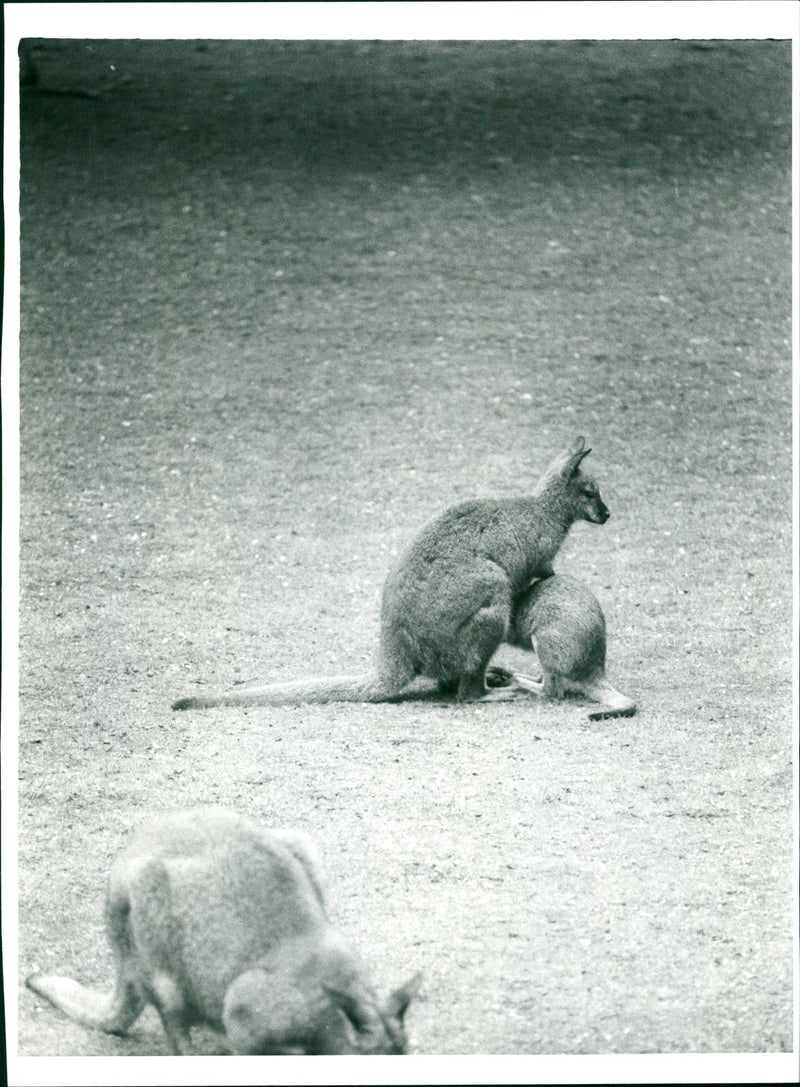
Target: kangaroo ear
360, 1014
574, 457
397, 1004
578, 460
566, 463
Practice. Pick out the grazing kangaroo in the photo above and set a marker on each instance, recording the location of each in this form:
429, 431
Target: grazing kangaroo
447, 603
215, 920
562, 621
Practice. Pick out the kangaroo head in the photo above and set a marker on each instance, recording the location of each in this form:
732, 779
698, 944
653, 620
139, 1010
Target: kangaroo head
564, 475
263, 1014
586, 500
377, 1030
259, 1014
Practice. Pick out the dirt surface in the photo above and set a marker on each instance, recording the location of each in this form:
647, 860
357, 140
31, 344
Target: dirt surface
281, 304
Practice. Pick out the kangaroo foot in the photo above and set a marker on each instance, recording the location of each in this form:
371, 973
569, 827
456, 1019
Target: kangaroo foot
498, 677
605, 714
531, 684
512, 693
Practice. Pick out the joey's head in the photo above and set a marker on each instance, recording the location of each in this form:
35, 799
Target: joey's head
376, 1029
572, 491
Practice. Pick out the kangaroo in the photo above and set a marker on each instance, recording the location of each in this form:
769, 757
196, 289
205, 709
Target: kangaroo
447, 603
214, 920
561, 619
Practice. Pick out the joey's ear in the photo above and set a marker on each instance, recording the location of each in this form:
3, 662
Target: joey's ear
397, 1004
360, 1014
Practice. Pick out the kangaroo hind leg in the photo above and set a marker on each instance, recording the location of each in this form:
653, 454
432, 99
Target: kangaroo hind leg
475, 643
156, 948
169, 1001
613, 702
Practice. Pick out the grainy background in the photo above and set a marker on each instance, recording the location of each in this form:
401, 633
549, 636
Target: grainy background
281, 304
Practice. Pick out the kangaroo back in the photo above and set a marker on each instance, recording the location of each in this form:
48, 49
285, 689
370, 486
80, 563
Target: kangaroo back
561, 619
199, 902
566, 623
447, 603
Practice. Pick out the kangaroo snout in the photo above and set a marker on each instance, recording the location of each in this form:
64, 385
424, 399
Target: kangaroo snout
596, 511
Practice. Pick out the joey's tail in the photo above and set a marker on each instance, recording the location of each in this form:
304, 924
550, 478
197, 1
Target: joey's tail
112, 1012
369, 688
614, 703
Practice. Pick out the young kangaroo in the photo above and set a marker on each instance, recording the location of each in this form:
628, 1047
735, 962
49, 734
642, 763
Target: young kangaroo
213, 919
447, 603
562, 621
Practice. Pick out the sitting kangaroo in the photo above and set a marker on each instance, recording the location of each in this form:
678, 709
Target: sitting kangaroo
562, 621
215, 920
447, 603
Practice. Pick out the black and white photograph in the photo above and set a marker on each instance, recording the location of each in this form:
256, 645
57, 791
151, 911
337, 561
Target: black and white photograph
399, 589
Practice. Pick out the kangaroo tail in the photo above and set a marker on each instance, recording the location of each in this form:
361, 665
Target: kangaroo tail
112, 1012
334, 689
614, 704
